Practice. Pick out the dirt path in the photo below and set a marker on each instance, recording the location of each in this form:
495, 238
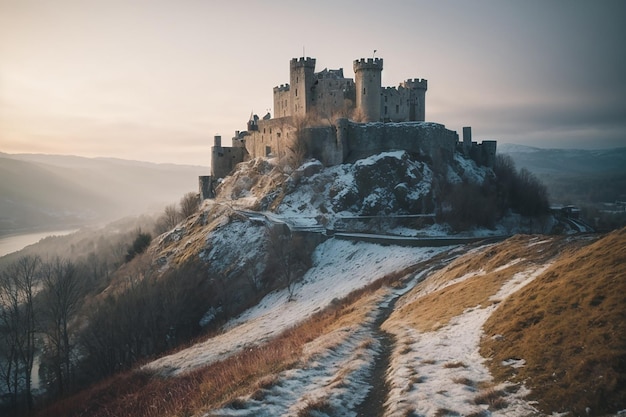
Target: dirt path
374, 403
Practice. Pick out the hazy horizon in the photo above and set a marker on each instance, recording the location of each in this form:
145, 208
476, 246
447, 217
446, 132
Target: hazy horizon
155, 81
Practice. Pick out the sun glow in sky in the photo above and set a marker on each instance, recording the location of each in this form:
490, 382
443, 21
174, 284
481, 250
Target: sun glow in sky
155, 80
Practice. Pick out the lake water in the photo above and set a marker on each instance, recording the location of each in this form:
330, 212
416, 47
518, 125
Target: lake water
13, 243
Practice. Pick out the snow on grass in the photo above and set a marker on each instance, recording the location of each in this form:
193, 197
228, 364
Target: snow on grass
339, 267
233, 243
517, 281
334, 373
443, 370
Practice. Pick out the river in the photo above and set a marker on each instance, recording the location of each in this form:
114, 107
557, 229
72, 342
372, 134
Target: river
13, 243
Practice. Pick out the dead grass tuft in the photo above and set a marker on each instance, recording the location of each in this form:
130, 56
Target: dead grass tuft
464, 381
314, 407
569, 324
452, 365
493, 398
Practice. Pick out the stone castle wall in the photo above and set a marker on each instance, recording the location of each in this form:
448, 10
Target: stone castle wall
224, 159
426, 138
396, 116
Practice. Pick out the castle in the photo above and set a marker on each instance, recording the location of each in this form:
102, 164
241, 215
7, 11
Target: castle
337, 119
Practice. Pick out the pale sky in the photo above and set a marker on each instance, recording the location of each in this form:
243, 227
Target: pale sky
155, 80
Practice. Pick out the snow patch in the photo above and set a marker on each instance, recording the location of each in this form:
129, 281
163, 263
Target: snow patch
443, 369
339, 267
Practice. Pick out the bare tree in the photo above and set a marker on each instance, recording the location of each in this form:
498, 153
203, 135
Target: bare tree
168, 220
287, 257
61, 300
189, 204
17, 318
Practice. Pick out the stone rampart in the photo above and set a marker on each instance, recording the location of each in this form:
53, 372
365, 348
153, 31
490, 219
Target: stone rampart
427, 138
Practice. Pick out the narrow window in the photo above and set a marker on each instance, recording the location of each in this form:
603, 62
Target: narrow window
385, 109
397, 108
363, 90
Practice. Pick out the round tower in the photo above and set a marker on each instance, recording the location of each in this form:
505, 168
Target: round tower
367, 80
302, 77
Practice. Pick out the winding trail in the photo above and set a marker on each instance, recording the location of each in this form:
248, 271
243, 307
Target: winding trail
374, 403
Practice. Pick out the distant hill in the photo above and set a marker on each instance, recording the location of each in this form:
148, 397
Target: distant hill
49, 191
577, 176
567, 161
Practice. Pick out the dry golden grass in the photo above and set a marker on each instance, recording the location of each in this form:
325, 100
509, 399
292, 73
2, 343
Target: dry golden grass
569, 325
196, 228
492, 267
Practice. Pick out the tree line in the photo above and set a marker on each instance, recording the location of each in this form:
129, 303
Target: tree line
53, 321
509, 190
37, 299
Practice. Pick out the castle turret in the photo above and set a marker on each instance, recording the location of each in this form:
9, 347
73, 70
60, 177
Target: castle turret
417, 98
302, 78
367, 78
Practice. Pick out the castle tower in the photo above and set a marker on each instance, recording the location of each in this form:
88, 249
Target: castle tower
301, 79
367, 79
467, 140
417, 98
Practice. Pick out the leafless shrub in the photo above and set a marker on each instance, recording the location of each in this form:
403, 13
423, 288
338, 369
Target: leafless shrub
168, 220
464, 381
189, 204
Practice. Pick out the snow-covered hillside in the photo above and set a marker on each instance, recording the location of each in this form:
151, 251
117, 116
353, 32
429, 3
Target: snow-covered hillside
340, 267
390, 183
433, 371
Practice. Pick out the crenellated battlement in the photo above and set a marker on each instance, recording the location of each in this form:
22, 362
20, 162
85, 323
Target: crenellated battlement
368, 63
415, 83
302, 62
281, 88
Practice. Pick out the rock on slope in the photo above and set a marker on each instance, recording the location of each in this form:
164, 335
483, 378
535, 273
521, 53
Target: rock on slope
390, 183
